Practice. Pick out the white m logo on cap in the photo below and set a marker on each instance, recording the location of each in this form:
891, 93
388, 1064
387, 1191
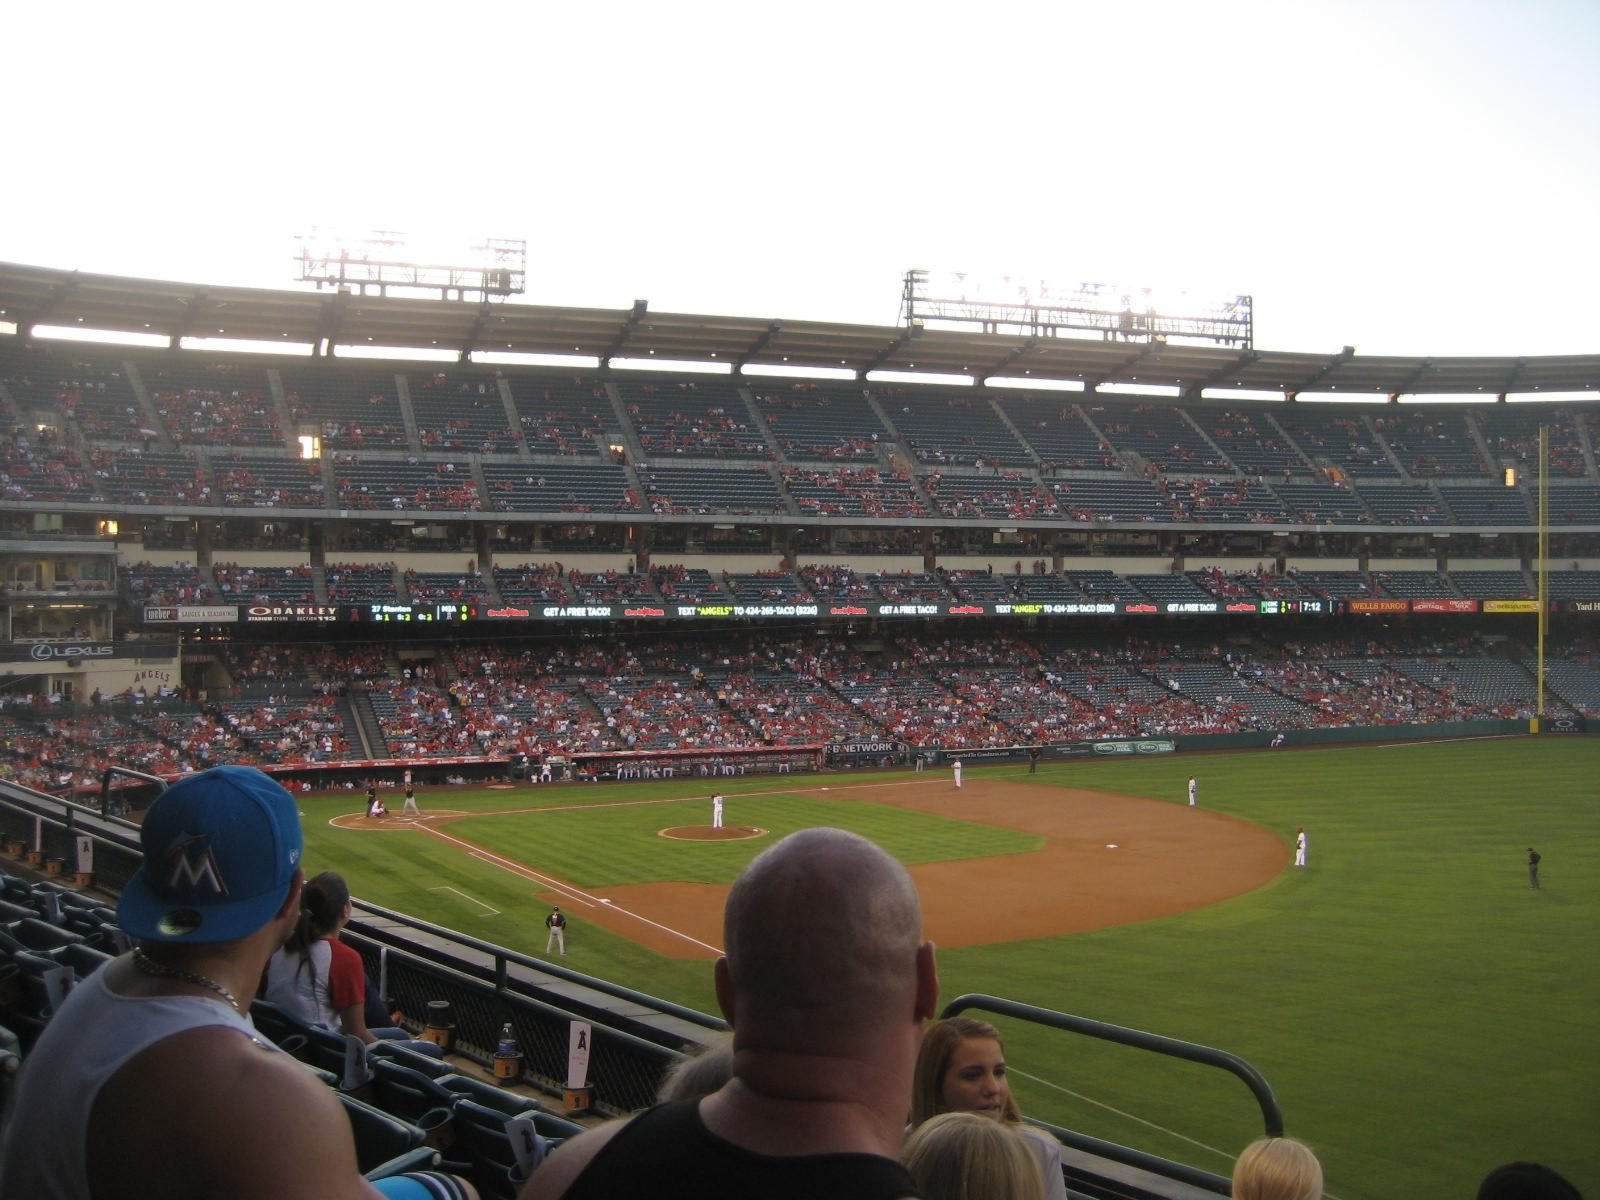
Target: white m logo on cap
192, 865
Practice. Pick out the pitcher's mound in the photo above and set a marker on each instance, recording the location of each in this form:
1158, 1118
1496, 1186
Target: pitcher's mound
709, 833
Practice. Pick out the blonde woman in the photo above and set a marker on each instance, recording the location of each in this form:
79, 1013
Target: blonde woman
1277, 1168
963, 1156
962, 1068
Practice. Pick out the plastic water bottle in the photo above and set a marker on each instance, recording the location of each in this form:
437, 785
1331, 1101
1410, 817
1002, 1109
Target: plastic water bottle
508, 1041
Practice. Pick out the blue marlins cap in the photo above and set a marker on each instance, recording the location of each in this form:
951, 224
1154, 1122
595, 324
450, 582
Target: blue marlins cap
220, 849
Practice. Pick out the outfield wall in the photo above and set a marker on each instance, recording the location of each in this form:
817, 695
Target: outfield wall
1254, 740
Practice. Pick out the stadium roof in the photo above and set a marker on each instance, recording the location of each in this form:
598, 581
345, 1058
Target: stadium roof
32, 296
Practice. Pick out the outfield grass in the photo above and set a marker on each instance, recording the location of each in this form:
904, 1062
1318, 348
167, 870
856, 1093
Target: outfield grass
1422, 1014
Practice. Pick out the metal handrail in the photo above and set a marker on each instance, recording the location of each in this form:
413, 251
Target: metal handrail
503, 958
1209, 1056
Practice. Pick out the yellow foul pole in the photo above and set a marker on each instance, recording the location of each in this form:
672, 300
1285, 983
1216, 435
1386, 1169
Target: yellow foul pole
1544, 556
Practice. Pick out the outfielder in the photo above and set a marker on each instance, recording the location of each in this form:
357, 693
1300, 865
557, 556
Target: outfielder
1300, 847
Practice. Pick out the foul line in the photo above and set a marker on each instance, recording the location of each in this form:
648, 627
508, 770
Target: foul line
1129, 1116
493, 912
565, 889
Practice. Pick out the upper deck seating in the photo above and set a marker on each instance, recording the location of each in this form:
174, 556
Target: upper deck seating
1511, 432
395, 484
1320, 503
350, 408
1574, 504
1109, 500
1432, 443
132, 475
1251, 441
851, 492
559, 487
1159, 433
709, 490
563, 414
461, 409
1490, 505
1057, 433
693, 418
952, 430
812, 423
1211, 501
63, 384
1338, 438
1403, 504
214, 404
257, 481
1010, 496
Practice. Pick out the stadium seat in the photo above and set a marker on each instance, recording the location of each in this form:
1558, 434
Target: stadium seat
483, 1142
37, 934
399, 1052
379, 1137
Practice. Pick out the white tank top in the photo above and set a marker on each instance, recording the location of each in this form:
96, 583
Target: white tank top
44, 1154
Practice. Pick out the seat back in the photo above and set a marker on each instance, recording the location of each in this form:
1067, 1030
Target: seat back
379, 1136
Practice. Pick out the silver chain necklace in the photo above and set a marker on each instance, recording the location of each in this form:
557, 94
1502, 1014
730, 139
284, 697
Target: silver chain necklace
149, 966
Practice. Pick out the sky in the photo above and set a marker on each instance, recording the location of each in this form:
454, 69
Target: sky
1405, 178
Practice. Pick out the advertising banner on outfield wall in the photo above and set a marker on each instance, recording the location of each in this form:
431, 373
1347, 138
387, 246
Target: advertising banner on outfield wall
1510, 606
1564, 725
1444, 606
1582, 606
1378, 606
190, 614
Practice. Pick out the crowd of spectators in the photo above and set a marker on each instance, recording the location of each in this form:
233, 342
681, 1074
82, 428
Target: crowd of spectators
292, 703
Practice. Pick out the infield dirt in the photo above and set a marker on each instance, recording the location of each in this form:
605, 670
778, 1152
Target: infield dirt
1107, 860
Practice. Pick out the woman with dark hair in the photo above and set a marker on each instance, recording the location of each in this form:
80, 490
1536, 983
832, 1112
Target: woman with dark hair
316, 976
962, 1068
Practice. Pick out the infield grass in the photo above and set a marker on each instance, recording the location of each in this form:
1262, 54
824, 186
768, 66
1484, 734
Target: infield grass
1422, 1014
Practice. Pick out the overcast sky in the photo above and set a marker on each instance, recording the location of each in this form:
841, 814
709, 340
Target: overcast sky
1407, 178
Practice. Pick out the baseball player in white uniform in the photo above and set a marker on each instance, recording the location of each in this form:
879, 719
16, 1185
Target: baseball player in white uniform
956, 768
716, 811
1300, 847
1194, 792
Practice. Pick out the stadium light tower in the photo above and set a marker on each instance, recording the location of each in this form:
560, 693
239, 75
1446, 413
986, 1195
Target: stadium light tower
386, 259
1010, 304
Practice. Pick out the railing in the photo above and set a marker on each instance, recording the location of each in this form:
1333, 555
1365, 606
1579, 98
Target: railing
1271, 1116
488, 986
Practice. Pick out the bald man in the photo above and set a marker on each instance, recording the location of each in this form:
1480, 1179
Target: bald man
827, 983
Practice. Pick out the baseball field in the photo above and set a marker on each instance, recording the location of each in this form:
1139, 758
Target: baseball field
1422, 1013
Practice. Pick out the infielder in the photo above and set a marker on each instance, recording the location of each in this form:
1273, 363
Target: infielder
556, 923
1300, 847
1194, 792
956, 768
716, 811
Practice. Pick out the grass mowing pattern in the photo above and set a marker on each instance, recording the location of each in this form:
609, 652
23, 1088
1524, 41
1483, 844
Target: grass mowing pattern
598, 846
1422, 1014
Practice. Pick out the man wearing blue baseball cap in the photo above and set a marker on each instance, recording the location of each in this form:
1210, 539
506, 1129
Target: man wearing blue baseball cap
151, 1079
